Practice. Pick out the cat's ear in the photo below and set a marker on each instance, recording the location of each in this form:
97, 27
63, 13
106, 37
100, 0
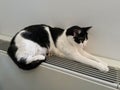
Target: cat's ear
76, 32
87, 28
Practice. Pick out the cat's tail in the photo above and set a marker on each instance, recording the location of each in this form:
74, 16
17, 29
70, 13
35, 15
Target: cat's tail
22, 63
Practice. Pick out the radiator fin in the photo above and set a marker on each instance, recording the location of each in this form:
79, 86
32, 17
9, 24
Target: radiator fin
111, 76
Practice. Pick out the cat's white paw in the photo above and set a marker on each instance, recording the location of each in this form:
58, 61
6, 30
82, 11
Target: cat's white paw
35, 58
103, 67
38, 57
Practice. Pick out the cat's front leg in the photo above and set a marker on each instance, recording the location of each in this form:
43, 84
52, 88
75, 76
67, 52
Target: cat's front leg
90, 56
80, 58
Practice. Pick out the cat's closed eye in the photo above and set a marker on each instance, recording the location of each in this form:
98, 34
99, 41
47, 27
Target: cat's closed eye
81, 38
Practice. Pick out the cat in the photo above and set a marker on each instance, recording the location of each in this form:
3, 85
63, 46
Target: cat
30, 46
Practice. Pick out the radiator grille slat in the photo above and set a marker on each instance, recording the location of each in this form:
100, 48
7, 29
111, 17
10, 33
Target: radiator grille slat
113, 76
110, 76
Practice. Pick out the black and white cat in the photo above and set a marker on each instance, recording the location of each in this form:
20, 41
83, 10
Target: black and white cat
29, 47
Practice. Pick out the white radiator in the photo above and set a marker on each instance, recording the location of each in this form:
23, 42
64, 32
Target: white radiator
55, 74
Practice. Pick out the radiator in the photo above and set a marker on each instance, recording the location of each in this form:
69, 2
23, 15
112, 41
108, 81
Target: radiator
55, 74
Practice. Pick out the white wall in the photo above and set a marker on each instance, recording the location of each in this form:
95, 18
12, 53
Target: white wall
103, 15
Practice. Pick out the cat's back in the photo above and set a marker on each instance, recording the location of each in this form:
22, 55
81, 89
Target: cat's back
34, 33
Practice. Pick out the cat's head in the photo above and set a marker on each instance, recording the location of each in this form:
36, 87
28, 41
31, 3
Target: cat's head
79, 34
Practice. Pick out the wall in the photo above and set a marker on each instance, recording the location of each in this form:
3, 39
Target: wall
103, 15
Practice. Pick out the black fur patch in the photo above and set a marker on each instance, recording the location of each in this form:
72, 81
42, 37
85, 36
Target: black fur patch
55, 33
78, 37
38, 34
22, 64
70, 31
12, 49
